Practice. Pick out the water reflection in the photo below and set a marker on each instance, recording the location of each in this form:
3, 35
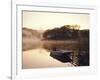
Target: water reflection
39, 56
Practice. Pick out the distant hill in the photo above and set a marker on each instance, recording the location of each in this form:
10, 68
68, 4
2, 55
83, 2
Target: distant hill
30, 33
31, 38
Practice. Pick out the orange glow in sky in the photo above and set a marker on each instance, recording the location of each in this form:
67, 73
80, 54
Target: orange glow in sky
49, 20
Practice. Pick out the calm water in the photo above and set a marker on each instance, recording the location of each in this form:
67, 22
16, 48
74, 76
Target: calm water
37, 54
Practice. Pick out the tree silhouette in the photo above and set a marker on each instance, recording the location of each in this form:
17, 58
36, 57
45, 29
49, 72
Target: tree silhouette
63, 33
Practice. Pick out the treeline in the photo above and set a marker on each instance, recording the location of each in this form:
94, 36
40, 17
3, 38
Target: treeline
64, 33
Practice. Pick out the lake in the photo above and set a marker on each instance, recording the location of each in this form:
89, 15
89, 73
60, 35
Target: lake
36, 54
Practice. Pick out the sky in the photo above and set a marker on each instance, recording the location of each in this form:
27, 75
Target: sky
50, 20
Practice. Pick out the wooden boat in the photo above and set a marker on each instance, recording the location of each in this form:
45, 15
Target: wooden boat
61, 55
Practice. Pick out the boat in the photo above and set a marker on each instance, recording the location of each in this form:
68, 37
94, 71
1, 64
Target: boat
61, 55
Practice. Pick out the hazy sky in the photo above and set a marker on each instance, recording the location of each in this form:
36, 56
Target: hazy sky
49, 20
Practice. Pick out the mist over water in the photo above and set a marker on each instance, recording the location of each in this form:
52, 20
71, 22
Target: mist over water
38, 56
37, 50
